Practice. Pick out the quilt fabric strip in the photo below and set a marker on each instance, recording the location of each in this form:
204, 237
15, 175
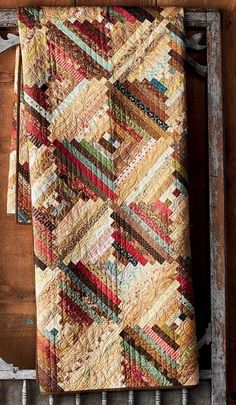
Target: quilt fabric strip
103, 142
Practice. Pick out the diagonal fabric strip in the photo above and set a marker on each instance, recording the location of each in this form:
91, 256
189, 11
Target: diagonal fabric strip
102, 154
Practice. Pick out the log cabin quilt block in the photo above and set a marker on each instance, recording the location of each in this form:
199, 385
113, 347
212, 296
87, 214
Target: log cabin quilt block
102, 148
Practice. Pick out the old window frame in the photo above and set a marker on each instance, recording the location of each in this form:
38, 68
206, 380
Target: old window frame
211, 21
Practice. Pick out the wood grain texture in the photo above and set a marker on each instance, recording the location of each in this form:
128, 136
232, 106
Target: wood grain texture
17, 308
221, 4
217, 209
224, 4
229, 80
25, 3
8, 19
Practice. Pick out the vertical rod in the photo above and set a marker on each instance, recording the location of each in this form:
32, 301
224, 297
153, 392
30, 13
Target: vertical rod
51, 400
185, 393
131, 397
157, 397
24, 393
104, 398
77, 399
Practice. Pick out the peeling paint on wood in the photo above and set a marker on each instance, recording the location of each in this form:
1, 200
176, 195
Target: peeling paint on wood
194, 19
217, 209
11, 395
8, 18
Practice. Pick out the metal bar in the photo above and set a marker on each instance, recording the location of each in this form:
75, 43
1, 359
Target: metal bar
131, 398
185, 396
217, 209
8, 18
157, 397
77, 399
24, 393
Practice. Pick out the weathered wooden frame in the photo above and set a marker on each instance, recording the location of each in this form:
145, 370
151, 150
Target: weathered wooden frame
217, 208
211, 21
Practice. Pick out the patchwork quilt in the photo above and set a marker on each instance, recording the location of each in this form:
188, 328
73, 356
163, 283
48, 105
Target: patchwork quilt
101, 174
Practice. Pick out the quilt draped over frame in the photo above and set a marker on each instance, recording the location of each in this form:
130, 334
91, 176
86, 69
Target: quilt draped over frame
101, 173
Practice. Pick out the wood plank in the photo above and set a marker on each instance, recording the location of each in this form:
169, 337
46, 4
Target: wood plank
8, 18
193, 18
223, 4
229, 85
17, 316
35, 3
217, 209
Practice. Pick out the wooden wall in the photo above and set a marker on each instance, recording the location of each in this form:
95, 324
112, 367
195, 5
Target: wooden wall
224, 4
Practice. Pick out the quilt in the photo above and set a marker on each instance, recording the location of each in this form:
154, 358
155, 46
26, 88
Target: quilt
101, 172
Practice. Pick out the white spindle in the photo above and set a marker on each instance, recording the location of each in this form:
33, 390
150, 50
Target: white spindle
77, 399
24, 393
157, 397
104, 398
51, 400
184, 396
131, 398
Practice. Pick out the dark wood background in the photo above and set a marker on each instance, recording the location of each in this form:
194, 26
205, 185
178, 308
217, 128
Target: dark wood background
17, 307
